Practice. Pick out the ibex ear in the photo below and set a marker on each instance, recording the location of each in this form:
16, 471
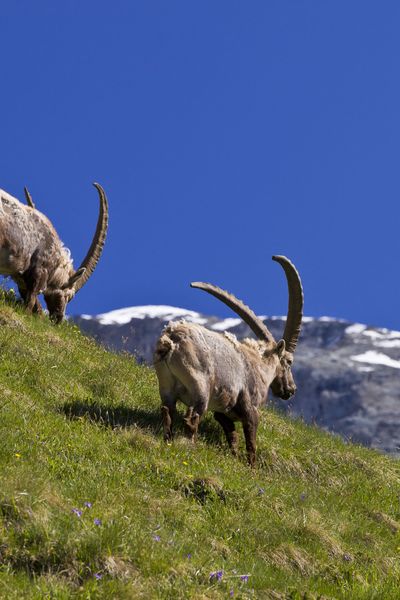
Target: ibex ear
280, 348
74, 278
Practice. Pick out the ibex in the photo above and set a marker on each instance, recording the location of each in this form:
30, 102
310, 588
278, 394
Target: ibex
32, 254
208, 370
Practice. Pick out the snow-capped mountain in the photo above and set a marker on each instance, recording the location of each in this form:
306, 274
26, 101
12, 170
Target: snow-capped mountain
347, 373
122, 316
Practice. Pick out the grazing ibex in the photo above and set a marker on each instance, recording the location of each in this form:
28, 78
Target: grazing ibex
208, 370
32, 254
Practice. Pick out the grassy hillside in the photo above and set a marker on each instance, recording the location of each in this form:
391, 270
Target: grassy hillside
93, 504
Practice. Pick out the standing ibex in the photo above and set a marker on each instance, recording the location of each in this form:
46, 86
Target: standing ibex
209, 370
32, 254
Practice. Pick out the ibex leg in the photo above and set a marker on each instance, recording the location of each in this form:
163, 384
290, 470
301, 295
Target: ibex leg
35, 280
168, 412
229, 428
250, 423
37, 308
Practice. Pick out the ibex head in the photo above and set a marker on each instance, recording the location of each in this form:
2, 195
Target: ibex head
57, 297
283, 384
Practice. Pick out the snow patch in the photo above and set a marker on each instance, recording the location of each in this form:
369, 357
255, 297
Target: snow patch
375, 335
226, 324
283, 318
307, 319
382, 334
230, 322
393, 334
377, 358
328, 319
387, 343
355, 328
275, 318
122, 316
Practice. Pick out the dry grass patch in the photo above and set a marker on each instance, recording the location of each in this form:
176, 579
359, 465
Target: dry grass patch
139, 439
119, 568
315, 527
272, 461
381, 517
290, 557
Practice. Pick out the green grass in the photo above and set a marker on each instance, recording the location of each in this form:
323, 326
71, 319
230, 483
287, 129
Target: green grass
317, 518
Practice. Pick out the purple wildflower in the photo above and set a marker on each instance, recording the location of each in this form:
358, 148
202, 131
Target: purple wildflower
216, 575
189, 555
231, 593
303, 496
77, 512
244, 578
88, 504
347, 557
156, 538
97, 521
261, 491
98, 576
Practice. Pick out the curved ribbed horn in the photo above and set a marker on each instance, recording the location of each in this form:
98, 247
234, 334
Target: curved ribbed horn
92, 257
244, 312
296, 302
28, 197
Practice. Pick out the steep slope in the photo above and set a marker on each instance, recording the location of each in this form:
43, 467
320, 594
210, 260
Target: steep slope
347, 374
93, 504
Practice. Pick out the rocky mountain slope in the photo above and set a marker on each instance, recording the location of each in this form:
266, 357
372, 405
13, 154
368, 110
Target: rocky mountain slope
348, 375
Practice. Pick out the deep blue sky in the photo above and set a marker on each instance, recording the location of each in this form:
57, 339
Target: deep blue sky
223, 132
